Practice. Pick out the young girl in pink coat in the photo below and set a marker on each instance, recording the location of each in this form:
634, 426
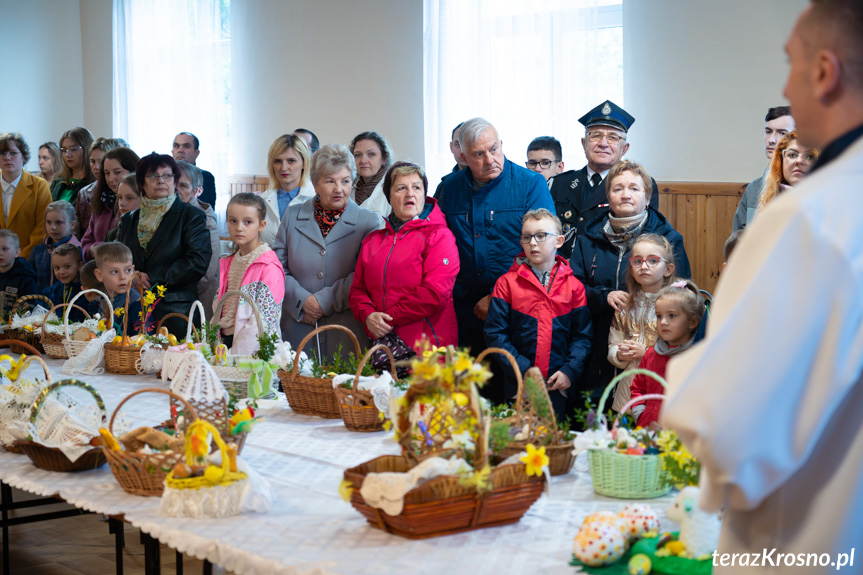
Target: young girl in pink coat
253, 269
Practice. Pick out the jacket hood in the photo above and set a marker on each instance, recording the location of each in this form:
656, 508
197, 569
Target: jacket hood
21, 268
521, 260
430, 216
656, 224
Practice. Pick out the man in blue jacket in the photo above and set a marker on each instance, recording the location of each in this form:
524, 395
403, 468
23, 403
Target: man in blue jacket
484, 204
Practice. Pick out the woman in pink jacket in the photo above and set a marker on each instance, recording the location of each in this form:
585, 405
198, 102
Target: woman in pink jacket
405, 272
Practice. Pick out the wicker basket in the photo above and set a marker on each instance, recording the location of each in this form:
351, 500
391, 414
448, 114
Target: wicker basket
216, 414
627, 476
541, 430
12, 448
313, 395
232, 373
140, 473
357, 406
52, 458
73, 348
165, 346
23, 335
26, 348
444, 505
53, 342
123, 359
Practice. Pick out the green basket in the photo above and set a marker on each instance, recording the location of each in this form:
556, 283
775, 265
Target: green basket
627, 476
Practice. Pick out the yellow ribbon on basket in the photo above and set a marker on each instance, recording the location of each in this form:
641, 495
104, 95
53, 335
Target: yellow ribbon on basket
14, 367
214, 475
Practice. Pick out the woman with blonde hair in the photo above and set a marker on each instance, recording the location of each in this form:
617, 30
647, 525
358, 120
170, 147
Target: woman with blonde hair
50, 163
289, 165
790, 163
75, 151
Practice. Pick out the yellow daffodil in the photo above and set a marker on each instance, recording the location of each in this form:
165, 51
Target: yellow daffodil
535, 460
14, 367
460, 399
427, 371
161, 289
346, 489
119, 311
479, 479
463, 363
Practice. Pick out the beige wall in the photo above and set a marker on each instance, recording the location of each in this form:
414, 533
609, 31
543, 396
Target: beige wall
335, 67
96, 51
699, 77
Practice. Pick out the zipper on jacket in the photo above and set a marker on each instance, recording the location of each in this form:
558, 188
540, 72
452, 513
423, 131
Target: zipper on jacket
617, 275
387, 263
431, 327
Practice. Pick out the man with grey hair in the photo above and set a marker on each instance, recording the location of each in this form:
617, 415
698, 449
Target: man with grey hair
189, 188
484, 204
781, 441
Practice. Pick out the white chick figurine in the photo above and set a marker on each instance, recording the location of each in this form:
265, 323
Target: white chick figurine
699, 531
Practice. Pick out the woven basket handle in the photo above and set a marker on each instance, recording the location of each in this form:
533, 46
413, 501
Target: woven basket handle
55, 308
518, 377
186, 404
622, 376
296, 367
30, 359
31, 297
181, 316
40, 400
368, 356
109, 322
217, 313
217, 437
196, 305
30, 349
632, 402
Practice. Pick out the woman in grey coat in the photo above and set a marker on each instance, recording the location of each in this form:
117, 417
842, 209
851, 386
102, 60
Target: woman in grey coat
318, 243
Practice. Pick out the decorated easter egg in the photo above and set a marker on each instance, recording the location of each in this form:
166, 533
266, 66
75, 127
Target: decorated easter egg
639, 564
600, 517
598, 544
639, 519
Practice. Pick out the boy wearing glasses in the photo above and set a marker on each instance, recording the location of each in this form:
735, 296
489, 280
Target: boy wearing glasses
544, 155
539, 312
579, 195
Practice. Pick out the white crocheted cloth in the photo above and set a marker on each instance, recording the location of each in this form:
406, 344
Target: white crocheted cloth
32, 318
92, 359
16, 399
387, 490
380, 386
152, 358
196, 379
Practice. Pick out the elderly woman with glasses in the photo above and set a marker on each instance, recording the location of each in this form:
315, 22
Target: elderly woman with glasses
601, 257
318, 243
168, 238
789, 164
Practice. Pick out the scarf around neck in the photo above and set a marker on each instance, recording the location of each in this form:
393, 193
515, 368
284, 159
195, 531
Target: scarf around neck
108, 198
662, 348
326, 219
621, 232
364, 188
152, 212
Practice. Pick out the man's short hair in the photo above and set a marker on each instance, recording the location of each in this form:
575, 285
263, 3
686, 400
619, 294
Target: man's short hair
315, 143
12, 237
112, 253
547, 143
838, 24
731, 243
777, 112
68, 249
542, 214
454, 130
470, 132
19, 142
194, 138
196, 178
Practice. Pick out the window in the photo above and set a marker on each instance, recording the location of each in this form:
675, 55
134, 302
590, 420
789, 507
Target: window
530, 68
172, 73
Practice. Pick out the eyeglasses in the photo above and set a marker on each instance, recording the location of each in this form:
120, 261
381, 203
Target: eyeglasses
540, 237
598, 135
71, 150
10, 155
158, 177
546, 164
794, 155
651, 261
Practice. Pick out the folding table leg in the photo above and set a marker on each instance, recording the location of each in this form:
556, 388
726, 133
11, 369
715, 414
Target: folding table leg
208, 568
6, 495
118, 529
152, 562
179, 563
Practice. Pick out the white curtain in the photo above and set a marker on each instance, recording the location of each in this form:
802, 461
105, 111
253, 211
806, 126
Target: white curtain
530, 68
172, 73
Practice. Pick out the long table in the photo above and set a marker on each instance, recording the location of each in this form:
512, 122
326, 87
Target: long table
310, 530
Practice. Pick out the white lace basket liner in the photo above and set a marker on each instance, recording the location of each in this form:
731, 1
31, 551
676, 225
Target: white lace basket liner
16, 400
174, 355
74, 348
52, 335
231, 371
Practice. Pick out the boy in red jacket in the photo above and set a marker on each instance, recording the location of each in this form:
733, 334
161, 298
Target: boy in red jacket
538, 310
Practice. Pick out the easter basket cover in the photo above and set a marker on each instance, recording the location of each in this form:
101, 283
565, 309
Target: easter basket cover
440, 420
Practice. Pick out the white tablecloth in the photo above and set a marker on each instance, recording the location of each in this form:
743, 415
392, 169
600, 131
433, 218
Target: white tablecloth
310, 530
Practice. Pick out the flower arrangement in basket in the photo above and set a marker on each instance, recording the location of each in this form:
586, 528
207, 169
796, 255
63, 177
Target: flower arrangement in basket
66, 438
533, 422
314, 394
197, 487
443, 482
142, 458
27, 326
122, 355
357, 405
17, 395
627, 463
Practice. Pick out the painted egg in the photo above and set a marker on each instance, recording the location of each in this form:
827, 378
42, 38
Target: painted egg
639, 519
598, 544
639, 565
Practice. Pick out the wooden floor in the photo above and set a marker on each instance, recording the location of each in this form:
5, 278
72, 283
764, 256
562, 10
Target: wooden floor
80, 545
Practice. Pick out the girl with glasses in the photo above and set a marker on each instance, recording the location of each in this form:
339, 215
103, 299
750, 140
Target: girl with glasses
790, 163
75, 152
633, 329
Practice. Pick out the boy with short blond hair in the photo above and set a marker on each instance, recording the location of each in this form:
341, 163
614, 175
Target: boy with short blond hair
114, 268
17, 277
538, 310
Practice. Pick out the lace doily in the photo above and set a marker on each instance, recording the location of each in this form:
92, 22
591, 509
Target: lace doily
249, 495
152, 358
34, 317
92, 359
16, 399
196, 379
67, 424
387, 490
